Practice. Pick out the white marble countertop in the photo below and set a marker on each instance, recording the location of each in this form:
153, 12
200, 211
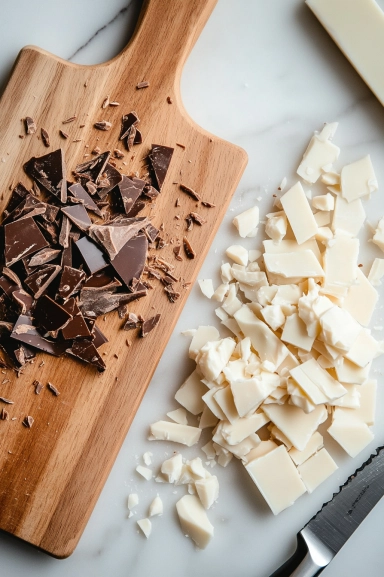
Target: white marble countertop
263, 75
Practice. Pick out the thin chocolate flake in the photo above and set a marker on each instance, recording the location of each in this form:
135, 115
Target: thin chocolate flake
43, 256
71, 119
103, 125
150, 192
143, 84
160, 159
5, 381
28, 421
30, 125
176, 251
118, 153
49, 171
77, 140
171, 294
169, 100
177, 203
87, 352
105, 102
6, 401
96, 150
114, 103
190, 253
177, 217
197, 218
131, 135
122, 311
189, 223
208, 204
63, 134
128, 120
116, 357
45, 138
192, 193
12, 276
53, 389
4, 415
161, 243
92, 189
152, 273
38, 387
149, 325
181, 145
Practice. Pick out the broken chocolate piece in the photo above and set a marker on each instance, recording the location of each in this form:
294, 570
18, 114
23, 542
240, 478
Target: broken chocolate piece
190, 253
92, 256
130, 261
50, 231
131, 135
99, 337
113, 238
64, 232
70, 282
6, 401
138, 137
160, 158
22, 238
103, 125
95, 303
38, 387
50, 172
4, 415
122, 311
197, 218
28, 207
171, 294
176, 251
7, 286
93, 169
208, 204
77, 327
12, 276
78, 215
131, 323
30, 125
128, 191
45, 138
193, 194
86, 351
25, 332
149, 325
143, 84
50, 213
38, 281
77, 191
151, 232
127, 121
111, 178
49, 315
28, 421
150, 191
137, 207
70, 119
43, 256
63, 134
17, 196
23, 301
53, 389
118, 153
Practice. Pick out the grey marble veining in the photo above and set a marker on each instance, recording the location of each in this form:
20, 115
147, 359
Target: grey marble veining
263, 75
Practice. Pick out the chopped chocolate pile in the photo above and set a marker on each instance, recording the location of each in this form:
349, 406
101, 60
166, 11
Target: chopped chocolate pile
77, 252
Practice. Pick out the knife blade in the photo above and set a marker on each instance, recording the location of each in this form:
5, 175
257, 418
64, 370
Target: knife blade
326, 533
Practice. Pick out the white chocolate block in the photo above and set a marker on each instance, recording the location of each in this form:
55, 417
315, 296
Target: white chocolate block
314, 444
348, 216
317, 469
207, 490
358, 179
271, 247
350, 432
238, 254
340, 262
146, 526
234, 433
247, 221
206, 287
166, 431
262, 449
317, 383
179, 416
364, 349
319, 153
295, 333
301, 264
194, 521
361, 299
202, 336
190, 393
171, 468
248, 394
299, 213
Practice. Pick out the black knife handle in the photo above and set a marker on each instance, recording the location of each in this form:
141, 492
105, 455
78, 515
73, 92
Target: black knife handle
309, 559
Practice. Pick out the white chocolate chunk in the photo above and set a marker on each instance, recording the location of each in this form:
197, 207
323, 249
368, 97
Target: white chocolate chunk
378, 237
262, 449
144, 472
247, 221
156, 507
209, 450
317, 469
271, 247
231, 303
234, 433
147, 458
245, 276
319, 153
279, 436
358, 179
206, 287
220, 292
366, 411
223, 316
212, 404
250, 393
350, 432
208, 419
299, 213
190, 393
324, 202
339, 328
301, 264
324, 234
348, 372
133, 500
197, 469
322, 218
288, 294
224, 399
377, 272
364, 349
179, 416
296, 425
340, 263
171, 468
166, 431
238, 254
214, 356
207, 490
202, 336
314, 444
226, 272
224, 457
361, 299
351, 399
277, 479
295, 333
276, 227
194, 521
348, 216
330, 177
241, 448
273, 316
316, 382
146, 526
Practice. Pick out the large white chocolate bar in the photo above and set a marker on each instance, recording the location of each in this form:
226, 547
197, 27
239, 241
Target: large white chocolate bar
357, 27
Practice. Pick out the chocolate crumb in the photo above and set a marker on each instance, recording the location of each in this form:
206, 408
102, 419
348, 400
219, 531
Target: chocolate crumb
30, 125
181, 145
169, 100
118, 153
192, 193
189, 223
177, 217
190, 253
116, 356
149, 325
197, 218
6, 401
4, 415
171, 294
177, 203
70, 119
53, 389
103, 125
96, 150
81, 125
45, 138
177, 250
77, 140
42, 364
143, 84
105, 102
360, 265
38, 387
114, 103
208, 204
63, 134
28, 421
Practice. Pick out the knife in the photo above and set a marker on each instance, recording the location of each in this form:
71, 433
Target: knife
325, 534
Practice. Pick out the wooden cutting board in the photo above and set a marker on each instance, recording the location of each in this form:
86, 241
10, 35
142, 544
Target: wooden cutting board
52, 474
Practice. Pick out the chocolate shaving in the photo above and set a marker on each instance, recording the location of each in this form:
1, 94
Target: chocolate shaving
189, 222
71, 119
43, 256
4, 415
45, 138
38, 387
150, 191
190, 253
171, 294
103, 125
118, 153
131, 135
208, 204
143, 84
131, 323
63, 134
193, 194
149, 325
127, 121
28, 421
105, 102
53, 389
30, 125
197, 218
6, 401
160, 158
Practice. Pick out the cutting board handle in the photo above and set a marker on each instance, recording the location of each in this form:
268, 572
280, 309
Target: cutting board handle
165, 34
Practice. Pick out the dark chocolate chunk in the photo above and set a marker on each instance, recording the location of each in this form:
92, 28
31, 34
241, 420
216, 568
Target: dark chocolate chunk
103, 279
6, 401
151, 232
130, 261
149, 325
43, 256
110, 178
103, 125
50, 172
64, 232
78, 215
160, 158
22, 238
197, 218
118, 153
77, 191
49, 315
190, 253
131, 323
45, 138
70, 282
128, 191
127, 121
143, 84
7, 286
122, 311
93, 257
50, 231
86, 351
77, 327
99, 337
28, 207
114, 238
176, 251
93, 169
4, 415
12, 276
38, 387
30, 125
138, 137
28, 421
160, 243
18, 194
38, 281
208, 204
25, 332
95, 303
171, 294
50, 213
8, 310
53, 389
23, 301
192, 193
150, 192
137, 207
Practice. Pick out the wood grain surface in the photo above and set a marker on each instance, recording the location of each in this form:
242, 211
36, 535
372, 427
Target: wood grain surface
51, 475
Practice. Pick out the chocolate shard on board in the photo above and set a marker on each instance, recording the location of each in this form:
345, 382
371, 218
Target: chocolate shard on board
49, 171
77, 191
70, 282
28, 421
190, 253
151, 232
160, 158
78, 215
43, 256
21, 239
113, 238
23, 301
77, 327
25, 332
99, 337
28, 207
97, 303
104, 278
128, 120
192, 193
130, 261
110, 178
38, 281
50, 231
92, 256
149, 325
86, 351
64, 232
131, 323
53, 389
138, 137
93, 169
128, 191
22, 354
49, 315
150, 191
18, 194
